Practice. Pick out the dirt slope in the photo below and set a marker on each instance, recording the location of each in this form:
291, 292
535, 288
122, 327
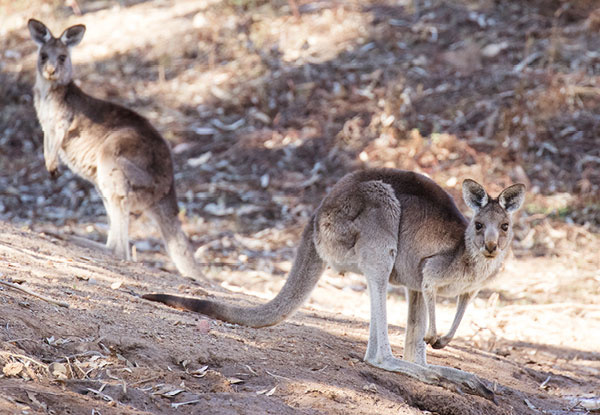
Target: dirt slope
114, 353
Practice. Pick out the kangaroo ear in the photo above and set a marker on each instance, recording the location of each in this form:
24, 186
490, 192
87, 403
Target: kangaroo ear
39, 32
73, 35
474, 194
512, 197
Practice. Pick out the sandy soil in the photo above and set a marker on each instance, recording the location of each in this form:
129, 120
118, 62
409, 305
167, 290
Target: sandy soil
111, 352
265, 110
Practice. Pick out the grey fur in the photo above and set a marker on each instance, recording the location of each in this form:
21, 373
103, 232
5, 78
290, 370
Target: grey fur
111, 146
395, 227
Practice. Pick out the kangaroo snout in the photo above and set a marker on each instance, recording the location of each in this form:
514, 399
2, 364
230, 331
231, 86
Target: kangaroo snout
491, 247
49, 72
490, 242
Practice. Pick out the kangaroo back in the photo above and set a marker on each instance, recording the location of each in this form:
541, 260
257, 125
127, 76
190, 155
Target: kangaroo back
303, 277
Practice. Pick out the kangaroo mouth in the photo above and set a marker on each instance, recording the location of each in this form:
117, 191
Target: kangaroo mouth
487, 254
51, 77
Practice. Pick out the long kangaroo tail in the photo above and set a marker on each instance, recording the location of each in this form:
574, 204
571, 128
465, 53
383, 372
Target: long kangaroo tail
306, 271
176, 241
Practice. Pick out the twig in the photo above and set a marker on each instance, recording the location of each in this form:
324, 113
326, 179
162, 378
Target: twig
525, 62
251, 370
85, 375
82, 354
544, 383
277, 376
139, 382
41, 297
78, 240
177, 405
22, 339
104, 396
70, 368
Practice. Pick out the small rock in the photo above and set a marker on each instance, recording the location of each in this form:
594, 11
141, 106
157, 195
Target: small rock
371, 387
494, 49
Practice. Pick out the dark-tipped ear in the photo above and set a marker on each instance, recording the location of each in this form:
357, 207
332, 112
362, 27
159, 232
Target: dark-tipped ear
511, 198
474, 194
73, 35
39, 32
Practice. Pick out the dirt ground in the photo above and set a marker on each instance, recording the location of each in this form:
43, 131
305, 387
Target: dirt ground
266, 105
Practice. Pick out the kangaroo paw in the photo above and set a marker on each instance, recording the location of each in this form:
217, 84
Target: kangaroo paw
431, 338
443, 376
440, 343
459, 380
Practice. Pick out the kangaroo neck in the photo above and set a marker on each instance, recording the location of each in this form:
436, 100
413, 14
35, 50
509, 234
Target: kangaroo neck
49, 102
45, 89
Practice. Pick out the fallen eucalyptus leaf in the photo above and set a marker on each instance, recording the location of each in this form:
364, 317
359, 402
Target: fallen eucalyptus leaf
173, 393
177, 405
233, 381
12, 369
199, 373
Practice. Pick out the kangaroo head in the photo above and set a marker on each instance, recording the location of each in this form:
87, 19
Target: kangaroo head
490, 229
54, 58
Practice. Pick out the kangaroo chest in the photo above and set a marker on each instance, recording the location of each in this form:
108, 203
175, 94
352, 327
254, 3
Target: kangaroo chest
461, 278
49, 109
61, 126
80, 157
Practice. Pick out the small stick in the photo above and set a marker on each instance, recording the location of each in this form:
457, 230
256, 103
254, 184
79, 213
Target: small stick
139, 382
27, 291
177, 405
277, 376
19, 340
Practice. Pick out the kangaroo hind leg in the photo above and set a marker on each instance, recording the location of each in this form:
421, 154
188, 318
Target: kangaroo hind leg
376, 259
118, 233
114, 189
375, 252
376, 271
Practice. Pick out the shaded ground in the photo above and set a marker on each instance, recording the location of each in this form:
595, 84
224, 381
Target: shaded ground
115, 353
265, 110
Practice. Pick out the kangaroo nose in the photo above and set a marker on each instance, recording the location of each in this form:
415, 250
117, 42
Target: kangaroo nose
491, 246
50, 69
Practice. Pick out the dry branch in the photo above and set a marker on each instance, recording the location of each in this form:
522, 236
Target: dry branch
34, 294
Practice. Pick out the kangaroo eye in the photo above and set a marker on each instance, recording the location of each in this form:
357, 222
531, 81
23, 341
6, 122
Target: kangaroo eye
43, 57
504, 227
62, 58
478, 226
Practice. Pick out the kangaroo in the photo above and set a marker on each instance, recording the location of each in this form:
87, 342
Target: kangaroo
111, 146
395, 227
